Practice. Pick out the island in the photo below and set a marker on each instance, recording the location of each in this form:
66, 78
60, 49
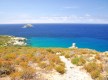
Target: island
27, 26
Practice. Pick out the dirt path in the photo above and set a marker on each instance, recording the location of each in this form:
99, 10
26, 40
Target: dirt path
73, 72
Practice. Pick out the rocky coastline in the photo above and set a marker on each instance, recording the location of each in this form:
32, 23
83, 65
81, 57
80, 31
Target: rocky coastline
13, 41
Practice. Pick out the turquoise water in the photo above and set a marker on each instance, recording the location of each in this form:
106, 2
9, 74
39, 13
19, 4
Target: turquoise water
83, 42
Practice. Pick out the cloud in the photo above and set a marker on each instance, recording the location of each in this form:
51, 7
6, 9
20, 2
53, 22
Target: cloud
73, 19
22, 16
87, 18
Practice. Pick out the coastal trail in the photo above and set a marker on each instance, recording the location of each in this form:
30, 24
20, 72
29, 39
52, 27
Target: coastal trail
72, 72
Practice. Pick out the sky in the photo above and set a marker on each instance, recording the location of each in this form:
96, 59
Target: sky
53, 11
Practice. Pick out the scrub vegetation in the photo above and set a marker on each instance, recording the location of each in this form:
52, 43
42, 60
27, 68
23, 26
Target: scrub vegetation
18, 62
24, 63
4, 40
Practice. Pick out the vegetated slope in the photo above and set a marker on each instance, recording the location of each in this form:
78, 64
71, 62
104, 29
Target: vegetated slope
30, 63
19, 62
4, 40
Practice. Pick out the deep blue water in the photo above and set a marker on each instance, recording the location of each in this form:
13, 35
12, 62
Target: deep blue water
93, 36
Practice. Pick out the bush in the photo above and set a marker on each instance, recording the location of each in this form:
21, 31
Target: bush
67, 55
93, 66
49, 67
50, 50
78, 61
24, 64
60, 69
54, 58
94, 69
37, 59
43, 65
6, 68
62, 53
1, 62
75, 60
9, 56
62, 64
98, 57
81, 62
4, 40
28, 73
16, 76
95, 74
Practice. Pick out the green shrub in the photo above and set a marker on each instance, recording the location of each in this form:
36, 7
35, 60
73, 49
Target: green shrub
78, 61
75, 60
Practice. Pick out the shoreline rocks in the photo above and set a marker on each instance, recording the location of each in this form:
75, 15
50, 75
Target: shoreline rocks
17, 41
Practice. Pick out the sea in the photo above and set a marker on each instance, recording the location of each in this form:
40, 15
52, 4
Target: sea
92, 36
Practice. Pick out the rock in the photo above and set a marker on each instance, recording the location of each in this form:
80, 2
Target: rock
20, 41
73, 46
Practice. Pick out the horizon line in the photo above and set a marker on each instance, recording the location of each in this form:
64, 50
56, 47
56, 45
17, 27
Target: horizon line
53, 23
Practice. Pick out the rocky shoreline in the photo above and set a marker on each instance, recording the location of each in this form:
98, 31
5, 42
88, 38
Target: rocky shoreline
19, 41
14, 41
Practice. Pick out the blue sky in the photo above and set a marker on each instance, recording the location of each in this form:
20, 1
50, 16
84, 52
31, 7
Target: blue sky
53, 11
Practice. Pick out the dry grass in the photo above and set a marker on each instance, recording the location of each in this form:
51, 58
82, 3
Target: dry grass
94, 69
60, 69
4, 40
24, 57
10, 57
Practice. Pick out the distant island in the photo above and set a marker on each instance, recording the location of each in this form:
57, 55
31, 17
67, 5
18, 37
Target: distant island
27, 26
